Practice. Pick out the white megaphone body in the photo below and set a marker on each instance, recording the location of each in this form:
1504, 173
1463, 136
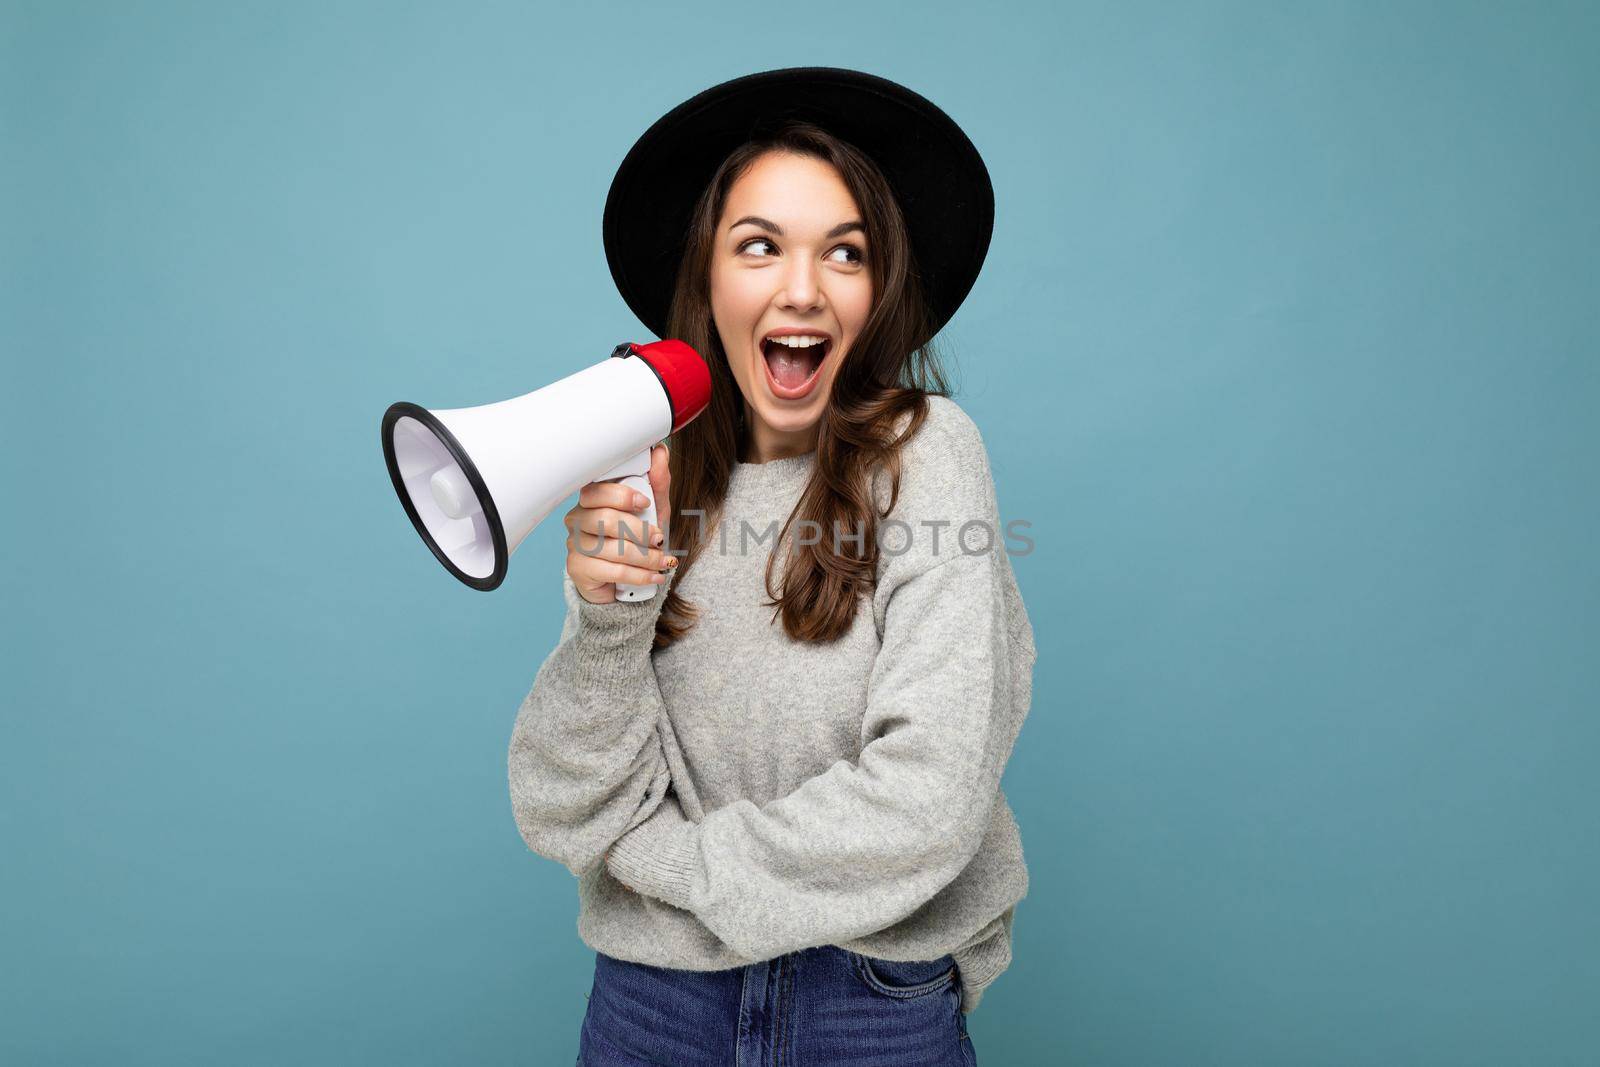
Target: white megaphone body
476, 481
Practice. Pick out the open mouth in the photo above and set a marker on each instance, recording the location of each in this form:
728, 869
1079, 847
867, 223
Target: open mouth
793, 371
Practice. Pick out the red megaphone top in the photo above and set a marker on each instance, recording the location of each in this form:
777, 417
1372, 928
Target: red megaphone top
684, 376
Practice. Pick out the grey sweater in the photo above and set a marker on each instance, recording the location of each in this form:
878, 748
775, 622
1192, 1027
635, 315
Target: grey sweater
741, 795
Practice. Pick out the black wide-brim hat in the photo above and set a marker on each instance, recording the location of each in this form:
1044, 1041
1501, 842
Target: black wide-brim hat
937, 175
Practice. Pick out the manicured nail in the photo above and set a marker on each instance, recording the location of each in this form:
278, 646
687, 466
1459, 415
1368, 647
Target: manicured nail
672, 561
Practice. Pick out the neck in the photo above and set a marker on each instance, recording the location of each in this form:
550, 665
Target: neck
767, 444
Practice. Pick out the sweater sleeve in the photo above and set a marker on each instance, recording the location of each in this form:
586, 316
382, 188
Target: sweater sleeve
862, 845
585, 761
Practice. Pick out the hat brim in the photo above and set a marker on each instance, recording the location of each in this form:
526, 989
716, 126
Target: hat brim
936, 174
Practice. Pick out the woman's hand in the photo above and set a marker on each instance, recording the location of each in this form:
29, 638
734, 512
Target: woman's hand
624, 551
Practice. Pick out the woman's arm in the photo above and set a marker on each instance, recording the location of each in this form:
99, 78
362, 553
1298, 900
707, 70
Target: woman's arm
862, 845
586, 762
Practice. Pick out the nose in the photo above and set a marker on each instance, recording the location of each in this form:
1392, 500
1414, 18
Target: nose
802, 288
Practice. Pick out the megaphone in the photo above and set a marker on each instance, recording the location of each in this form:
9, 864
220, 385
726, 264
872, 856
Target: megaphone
476, 481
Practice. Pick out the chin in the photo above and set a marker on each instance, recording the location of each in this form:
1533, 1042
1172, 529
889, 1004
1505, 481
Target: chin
790, 420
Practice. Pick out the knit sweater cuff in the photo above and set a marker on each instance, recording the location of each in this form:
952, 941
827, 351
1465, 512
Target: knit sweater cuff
615, 639
657, 857
980, 965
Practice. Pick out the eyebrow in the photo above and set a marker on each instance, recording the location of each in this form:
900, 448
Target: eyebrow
843, 227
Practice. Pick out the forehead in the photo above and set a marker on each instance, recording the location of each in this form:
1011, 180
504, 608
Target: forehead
799, 193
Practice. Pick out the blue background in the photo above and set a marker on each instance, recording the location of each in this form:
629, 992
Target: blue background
1285, 345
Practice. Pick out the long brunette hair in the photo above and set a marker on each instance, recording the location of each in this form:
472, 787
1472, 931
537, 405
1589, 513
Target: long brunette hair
889, 371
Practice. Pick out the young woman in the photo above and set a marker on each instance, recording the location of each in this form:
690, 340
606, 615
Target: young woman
778, 780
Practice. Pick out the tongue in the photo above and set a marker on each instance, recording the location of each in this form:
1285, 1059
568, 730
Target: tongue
792, 366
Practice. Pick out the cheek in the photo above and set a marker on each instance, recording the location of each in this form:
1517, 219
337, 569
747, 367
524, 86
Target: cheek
735, 292
853, 309
854, 305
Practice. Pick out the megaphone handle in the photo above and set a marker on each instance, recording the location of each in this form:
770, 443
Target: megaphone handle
639, 483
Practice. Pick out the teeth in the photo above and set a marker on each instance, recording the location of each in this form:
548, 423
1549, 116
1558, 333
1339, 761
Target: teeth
798, 340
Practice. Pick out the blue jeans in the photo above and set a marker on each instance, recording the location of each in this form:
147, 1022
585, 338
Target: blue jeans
821, 1007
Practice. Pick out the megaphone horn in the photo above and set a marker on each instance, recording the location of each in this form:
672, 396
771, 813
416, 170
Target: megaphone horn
476, 481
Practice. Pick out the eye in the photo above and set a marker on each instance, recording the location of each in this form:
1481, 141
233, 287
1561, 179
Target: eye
859, 255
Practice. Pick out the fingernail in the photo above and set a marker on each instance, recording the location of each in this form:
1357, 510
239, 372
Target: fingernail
672, 561
639, 501
656, 538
